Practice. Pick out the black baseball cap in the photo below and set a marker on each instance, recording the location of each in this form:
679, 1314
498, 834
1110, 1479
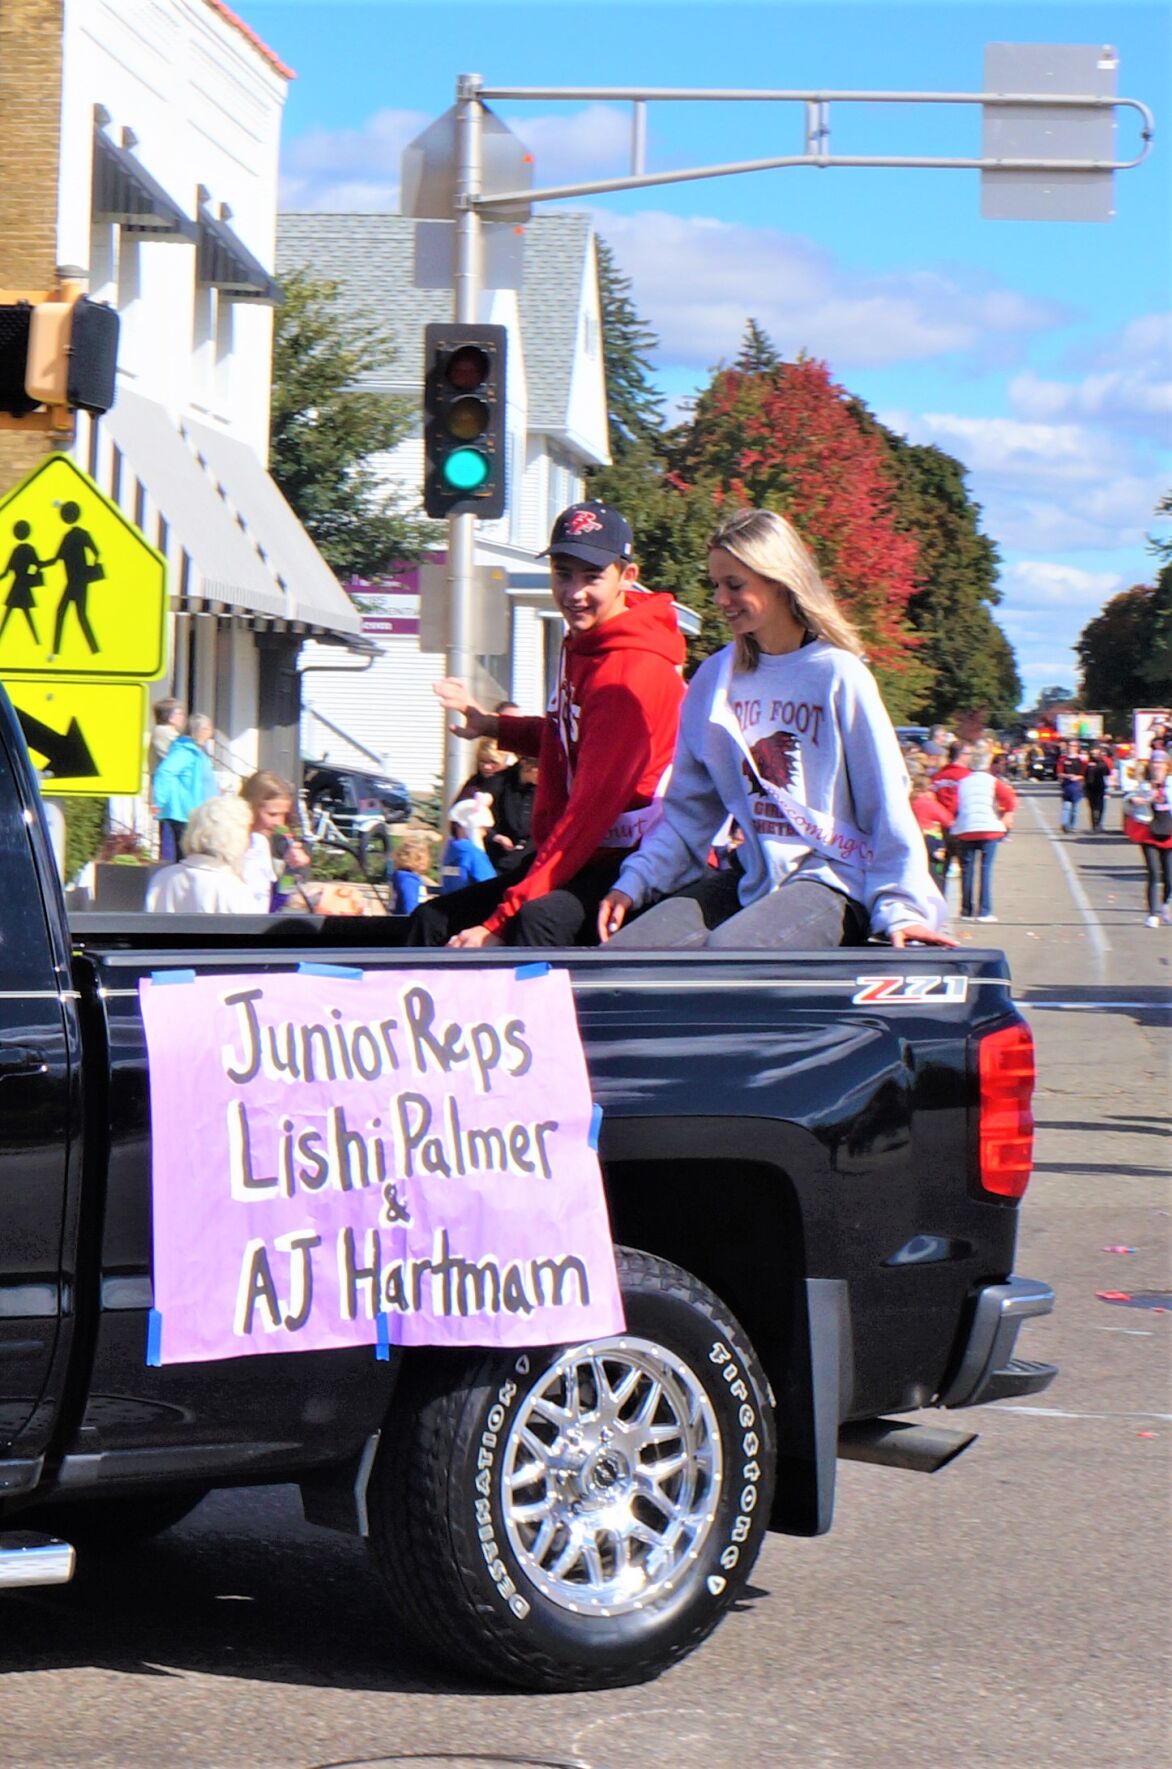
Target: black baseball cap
591, 531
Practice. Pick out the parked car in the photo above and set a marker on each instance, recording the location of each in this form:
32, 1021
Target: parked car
912, 734
348, 793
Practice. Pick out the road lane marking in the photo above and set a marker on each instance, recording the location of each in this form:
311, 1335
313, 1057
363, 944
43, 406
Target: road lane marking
1056, 1413
1092, 1006
1095, 934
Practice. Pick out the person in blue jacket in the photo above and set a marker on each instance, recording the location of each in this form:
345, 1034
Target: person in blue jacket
464, 860
411, 863
183, 779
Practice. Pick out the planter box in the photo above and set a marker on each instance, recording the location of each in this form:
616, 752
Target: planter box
121, 887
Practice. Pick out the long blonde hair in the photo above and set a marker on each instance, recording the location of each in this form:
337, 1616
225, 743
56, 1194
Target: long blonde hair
769, 545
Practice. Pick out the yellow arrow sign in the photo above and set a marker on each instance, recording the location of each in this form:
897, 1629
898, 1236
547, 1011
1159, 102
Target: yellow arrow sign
81, 590
87, 738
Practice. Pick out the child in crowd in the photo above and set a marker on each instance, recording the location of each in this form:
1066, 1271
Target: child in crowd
464, 859
273, 852
411, 864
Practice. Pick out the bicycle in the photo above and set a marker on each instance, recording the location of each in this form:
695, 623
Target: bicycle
362, 834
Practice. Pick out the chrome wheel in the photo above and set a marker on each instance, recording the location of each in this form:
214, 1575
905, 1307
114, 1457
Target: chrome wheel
611, 1476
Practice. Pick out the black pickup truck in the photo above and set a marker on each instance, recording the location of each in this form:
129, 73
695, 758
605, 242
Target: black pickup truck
813, 1168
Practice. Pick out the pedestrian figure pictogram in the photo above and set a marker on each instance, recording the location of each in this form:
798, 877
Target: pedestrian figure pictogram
90, 590
83, 567
27, 575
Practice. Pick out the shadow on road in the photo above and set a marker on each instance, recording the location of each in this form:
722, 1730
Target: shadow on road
1108, 1125
221, 1597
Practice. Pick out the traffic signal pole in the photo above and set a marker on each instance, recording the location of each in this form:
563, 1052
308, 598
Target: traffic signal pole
1048, 117
462, 529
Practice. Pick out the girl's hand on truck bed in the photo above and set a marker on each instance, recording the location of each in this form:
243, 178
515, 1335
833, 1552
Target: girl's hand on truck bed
915, 933
612, 912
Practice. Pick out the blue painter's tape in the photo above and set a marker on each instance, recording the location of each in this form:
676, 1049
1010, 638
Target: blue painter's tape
595, 1127
172, 976
154, 1338
524, 971
382, 1345
308, 969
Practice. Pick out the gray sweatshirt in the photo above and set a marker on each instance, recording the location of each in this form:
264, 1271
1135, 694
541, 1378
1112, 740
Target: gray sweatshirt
801, 752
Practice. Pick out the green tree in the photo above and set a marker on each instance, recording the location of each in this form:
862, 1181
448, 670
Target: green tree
758, 353
634, 405
326, 427
972, 662
1156, 671
1113, 650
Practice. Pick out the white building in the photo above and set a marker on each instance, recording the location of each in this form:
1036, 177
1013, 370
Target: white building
557, 429
171, 115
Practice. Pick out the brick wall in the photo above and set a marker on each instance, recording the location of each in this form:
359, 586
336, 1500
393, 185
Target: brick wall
31, 37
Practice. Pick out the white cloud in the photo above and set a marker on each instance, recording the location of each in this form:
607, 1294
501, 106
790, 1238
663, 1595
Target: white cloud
594, 142
1046, 487
1139, 396
358, 169
697, 279
1040, 584
349, 169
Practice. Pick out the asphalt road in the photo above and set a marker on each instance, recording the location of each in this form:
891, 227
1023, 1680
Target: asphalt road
1010, 1610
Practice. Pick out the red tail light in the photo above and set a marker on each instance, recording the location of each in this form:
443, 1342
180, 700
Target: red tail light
1006, 1060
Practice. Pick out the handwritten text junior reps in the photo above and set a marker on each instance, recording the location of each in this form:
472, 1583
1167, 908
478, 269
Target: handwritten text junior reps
423, 1134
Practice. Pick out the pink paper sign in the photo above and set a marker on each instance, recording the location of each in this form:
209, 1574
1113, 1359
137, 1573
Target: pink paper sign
387, 1157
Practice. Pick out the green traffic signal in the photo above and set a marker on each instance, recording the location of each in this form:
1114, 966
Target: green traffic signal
465, 469
465, 434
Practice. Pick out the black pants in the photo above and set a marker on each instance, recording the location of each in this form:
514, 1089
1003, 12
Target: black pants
565, 917
1095, 801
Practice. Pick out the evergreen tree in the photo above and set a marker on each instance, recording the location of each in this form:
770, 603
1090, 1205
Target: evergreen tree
634, 405
1157, 668
758, 353
326, 427
1114, 649
973, 664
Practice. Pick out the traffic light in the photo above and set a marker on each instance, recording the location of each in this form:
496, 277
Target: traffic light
59, 352
14, 324
464, 420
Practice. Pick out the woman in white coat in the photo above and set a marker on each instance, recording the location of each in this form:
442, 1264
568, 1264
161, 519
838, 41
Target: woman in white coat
208, 880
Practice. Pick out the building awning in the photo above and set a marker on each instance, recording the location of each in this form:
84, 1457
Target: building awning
225, 263
218, 566
125, 193
316, 599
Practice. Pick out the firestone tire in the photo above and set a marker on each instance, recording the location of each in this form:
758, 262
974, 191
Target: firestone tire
575, 1518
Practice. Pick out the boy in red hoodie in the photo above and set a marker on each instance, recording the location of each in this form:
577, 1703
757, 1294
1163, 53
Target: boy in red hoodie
603, 747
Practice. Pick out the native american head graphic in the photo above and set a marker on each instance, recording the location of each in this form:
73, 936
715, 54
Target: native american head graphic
774, 757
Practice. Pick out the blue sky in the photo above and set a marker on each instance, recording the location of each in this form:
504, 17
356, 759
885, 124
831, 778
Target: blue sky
1040, 354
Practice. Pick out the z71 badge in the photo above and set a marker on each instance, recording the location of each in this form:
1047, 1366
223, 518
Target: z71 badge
891, 990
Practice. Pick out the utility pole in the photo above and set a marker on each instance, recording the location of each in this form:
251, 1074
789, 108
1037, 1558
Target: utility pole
1048, 116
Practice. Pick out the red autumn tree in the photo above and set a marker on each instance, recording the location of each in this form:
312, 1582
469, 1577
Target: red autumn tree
786, 440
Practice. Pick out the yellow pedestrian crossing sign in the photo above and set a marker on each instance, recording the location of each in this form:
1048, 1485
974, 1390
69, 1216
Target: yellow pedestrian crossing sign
82, 592
87, 738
